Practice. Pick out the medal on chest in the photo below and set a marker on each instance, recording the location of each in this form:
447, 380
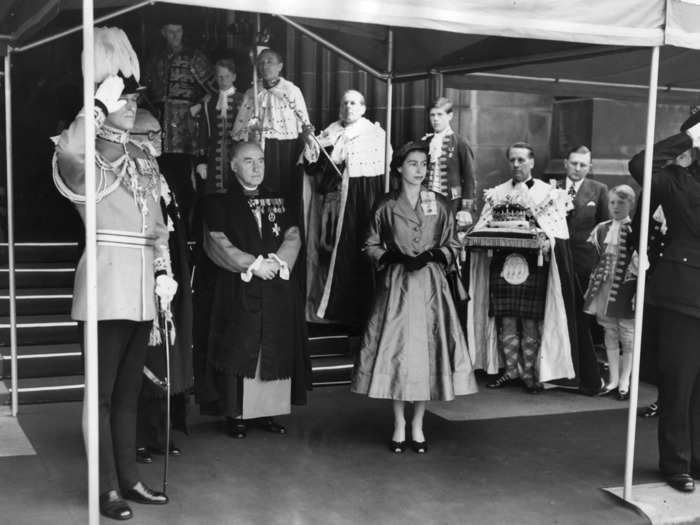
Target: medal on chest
269, 208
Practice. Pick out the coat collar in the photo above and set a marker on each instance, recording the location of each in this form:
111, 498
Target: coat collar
403, 208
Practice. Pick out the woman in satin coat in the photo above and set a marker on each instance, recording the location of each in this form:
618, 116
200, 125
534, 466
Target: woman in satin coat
413, 347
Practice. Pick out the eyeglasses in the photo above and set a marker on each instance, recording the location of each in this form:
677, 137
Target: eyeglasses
151, 135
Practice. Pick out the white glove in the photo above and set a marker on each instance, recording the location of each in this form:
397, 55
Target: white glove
108, 93
166, 287
694, 134
464, 218
201, 170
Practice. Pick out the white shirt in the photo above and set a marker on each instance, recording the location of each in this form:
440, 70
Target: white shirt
575, 184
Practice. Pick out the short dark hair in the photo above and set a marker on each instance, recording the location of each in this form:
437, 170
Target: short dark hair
226, 63
442, 103
582, 148
521, 145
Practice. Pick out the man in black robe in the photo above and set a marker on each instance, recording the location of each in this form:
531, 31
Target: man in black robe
257, 336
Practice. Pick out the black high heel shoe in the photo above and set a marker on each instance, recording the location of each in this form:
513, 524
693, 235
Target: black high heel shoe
113, 506
397, 447
419, 447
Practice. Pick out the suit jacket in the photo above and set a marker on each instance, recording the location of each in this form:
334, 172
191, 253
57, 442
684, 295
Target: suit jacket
590, 208
675, 283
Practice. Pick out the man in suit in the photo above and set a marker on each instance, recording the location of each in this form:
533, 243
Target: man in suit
590, 200
673, 289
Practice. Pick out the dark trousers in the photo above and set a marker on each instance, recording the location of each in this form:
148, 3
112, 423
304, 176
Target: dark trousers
122, 353
177, 170
679, 391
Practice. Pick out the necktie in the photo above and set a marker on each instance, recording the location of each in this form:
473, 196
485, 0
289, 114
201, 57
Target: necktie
572, 190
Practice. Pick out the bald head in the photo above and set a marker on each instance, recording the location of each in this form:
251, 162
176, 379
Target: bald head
352, 106
248, 164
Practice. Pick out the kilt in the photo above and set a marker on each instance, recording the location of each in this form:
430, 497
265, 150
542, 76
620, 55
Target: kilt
525, 300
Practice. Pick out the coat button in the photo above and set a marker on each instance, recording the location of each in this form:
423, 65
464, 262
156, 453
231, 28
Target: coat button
662, 244
685, 259
416, 239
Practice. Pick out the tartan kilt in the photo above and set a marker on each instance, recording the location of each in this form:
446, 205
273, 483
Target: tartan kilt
525, 300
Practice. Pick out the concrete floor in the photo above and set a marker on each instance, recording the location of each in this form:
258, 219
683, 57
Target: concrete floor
333, 468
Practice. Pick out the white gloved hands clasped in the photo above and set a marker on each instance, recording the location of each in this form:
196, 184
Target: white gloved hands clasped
201, 170
694, 134
166, 287
108, 93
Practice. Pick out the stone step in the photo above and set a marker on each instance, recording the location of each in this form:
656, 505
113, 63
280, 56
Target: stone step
43, 361
43, 252
38, 301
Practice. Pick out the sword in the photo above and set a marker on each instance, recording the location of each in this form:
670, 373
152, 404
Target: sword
167, 324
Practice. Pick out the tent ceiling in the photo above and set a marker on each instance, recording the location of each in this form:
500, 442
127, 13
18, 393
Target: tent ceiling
430, 41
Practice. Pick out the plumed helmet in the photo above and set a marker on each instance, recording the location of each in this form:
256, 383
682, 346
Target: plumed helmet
115, 56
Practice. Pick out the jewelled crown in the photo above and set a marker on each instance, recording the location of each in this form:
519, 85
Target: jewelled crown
509, 212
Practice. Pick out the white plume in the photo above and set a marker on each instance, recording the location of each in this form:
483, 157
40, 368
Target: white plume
113, 53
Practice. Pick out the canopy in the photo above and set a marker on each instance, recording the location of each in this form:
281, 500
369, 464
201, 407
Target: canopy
579, 40
622, 22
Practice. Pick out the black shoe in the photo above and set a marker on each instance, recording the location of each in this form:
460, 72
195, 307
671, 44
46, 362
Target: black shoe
682, 482
592, 390
114, 507
397, 447
623, 395
534, 389
270, 425
174, 451
502, 381
236, 428
419, 447
140, 493
143, 456
650, 411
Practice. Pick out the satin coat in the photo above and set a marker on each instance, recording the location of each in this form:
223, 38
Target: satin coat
413, 347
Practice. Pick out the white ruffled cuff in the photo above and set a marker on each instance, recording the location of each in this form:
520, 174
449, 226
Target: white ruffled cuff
284, 267
248, 274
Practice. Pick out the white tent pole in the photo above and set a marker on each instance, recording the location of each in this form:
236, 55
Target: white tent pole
91, 354
389, 99
11, 232
639, 300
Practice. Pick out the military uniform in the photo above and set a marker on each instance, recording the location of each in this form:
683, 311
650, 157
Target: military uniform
132, 247
451, 170
177, 81
215, 127
673, 289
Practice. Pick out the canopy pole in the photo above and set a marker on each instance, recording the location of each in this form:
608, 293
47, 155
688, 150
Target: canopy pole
641, 279
347, 56
389, 100
11, 232
91, 350
78, 28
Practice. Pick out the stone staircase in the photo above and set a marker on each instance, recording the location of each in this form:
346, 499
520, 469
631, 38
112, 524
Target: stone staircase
50, 363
